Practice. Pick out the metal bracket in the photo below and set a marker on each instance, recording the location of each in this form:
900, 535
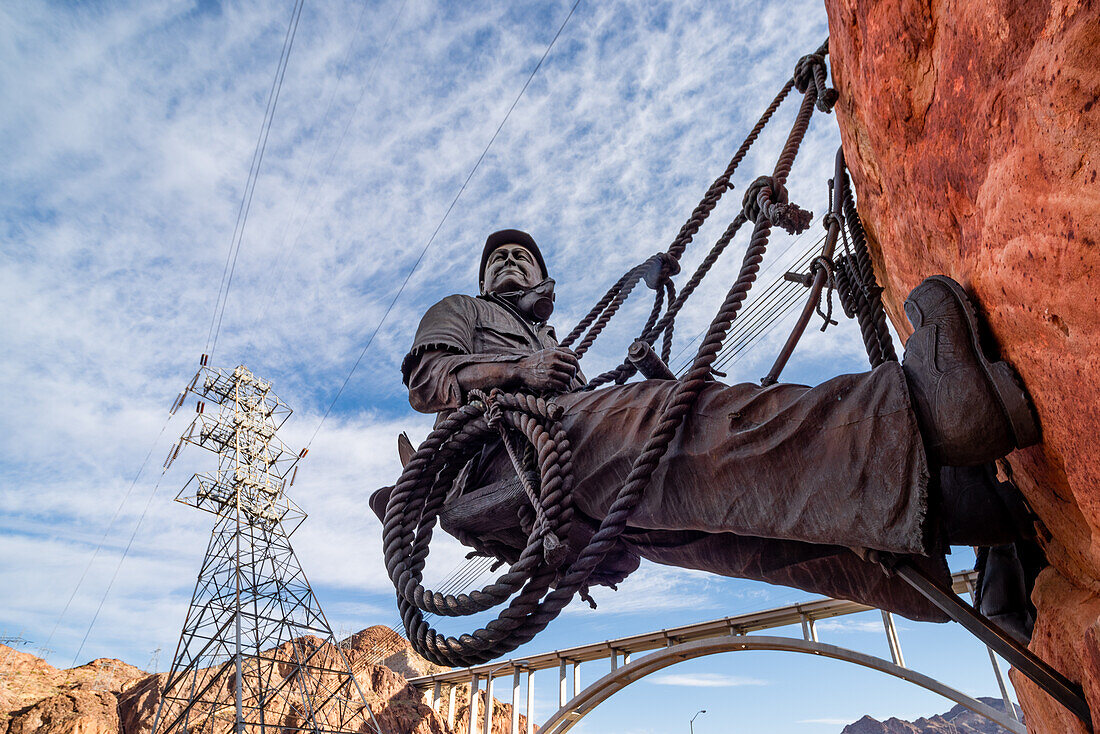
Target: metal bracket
1060, 688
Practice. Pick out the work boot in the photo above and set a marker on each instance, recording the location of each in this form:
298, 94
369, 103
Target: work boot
1006, 576
979, 509
970, 409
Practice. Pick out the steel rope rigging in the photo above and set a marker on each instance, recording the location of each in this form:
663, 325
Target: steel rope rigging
753, 305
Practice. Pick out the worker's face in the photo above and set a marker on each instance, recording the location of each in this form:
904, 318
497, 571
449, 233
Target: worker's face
511, 268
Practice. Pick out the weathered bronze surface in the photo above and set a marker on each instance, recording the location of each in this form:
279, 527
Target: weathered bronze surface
774, 483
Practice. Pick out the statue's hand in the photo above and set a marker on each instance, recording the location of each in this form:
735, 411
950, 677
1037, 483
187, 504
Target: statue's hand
548, 370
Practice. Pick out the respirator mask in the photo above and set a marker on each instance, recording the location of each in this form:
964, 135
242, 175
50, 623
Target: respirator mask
535, 303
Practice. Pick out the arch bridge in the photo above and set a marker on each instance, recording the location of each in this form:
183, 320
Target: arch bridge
632, 658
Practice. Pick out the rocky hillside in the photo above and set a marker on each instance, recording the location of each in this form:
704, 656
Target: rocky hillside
972, 131
958, 720
110, 697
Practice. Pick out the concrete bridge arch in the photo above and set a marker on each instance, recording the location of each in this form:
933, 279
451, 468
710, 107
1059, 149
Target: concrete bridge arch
599, 691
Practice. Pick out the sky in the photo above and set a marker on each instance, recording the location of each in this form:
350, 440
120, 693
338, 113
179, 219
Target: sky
128, 130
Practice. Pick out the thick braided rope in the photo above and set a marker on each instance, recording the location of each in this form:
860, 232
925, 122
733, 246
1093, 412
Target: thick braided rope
596, 311
872, 292
666, 347
630, 280
668, 319
722, 183
853, 299
627, 369
438, 457
691, 227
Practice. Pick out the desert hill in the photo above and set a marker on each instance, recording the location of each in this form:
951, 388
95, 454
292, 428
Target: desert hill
107, 696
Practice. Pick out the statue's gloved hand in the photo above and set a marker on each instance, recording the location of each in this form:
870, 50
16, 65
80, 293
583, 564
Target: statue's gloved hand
548, 370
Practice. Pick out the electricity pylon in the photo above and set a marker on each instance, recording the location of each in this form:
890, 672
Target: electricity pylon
256, 651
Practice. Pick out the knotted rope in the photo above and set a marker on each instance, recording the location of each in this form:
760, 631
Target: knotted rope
810, 71
768, 198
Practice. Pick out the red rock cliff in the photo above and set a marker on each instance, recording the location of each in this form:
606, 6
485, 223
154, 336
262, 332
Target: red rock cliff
110, 697
972, 130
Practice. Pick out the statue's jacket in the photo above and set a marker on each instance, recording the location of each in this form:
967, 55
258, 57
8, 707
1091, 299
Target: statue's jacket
786, 484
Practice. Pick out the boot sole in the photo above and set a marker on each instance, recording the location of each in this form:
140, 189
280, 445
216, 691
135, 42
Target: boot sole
1006, 384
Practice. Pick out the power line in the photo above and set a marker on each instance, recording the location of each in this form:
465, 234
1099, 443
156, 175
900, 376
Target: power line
114, 576
328, 166
110, 526
439, 226
250, 184
215, 321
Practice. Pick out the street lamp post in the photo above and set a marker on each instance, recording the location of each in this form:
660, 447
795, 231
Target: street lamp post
691, 724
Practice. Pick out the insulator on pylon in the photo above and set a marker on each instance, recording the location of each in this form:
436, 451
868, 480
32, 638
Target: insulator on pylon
303, 452
199, 406
203, 360
293, 476
194, 380
172, 454
177, 403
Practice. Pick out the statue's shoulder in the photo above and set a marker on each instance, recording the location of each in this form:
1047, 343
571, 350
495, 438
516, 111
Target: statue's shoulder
461, 305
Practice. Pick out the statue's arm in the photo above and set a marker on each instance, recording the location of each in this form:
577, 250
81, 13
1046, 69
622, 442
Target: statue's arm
439, 380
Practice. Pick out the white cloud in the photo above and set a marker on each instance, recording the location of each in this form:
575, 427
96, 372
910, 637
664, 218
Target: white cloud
704, 680
650, 589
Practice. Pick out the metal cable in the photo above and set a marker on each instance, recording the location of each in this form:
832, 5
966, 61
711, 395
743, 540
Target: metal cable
779, 289
751, 314
114, 576
328, 166
250, 184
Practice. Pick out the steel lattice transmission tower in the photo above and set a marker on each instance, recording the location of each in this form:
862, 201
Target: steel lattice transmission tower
256, 652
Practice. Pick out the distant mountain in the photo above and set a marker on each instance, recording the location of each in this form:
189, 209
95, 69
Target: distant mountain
958, 720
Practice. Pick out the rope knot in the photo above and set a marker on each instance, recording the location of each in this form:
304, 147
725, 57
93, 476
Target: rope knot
829, 219
768, 198
493, 412
823, 263
810, 73
659, 268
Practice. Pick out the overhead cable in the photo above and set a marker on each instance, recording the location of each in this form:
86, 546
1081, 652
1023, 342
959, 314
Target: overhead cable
270, 297
250, 183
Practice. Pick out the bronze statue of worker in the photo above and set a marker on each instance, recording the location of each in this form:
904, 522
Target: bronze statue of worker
776, 483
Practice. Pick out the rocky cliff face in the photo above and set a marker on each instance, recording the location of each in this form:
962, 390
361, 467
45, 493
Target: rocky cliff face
37, 697
956, 721
110, 697
972, 131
